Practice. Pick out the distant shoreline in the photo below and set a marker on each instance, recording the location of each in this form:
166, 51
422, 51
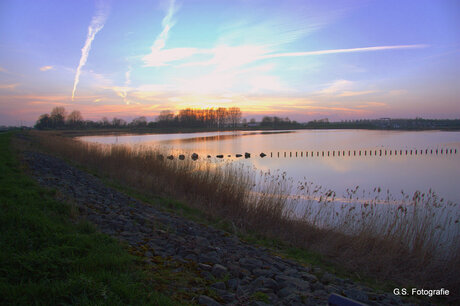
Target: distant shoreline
141, 131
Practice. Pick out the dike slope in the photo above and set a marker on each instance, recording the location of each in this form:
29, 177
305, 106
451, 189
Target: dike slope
238, 273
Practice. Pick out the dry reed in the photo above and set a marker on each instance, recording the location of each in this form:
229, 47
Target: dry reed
375, 237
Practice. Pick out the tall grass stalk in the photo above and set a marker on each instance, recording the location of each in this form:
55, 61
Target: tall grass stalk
413, 242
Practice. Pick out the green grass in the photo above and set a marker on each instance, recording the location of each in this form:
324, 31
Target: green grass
47, 257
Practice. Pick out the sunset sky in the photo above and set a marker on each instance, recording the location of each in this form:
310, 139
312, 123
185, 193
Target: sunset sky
301, 59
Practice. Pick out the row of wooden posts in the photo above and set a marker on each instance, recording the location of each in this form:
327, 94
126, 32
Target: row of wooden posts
333, 153
379, 152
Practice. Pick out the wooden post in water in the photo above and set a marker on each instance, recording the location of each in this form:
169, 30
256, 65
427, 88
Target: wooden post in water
295, 154
348, 152
365, 152
333, 153
290, 154
354, 152
380, 152
317, 153
271, 154
301, 154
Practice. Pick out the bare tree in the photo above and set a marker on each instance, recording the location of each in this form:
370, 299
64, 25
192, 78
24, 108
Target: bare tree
139, 121
105, 122
43, 122
166, 115
57, 116
118, 122
75, 119
222, 117
234, 114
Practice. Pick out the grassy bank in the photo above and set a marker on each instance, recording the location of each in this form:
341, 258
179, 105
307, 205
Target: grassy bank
48, 257
401, 249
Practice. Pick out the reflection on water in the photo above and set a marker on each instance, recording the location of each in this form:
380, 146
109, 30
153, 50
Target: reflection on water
217, 137
334, 159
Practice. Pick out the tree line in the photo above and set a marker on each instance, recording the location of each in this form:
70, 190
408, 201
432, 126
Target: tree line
208, 118
278, 122
194, 118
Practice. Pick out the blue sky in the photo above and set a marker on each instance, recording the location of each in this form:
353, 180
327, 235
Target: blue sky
302, 59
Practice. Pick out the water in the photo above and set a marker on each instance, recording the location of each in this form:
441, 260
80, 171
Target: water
421, 171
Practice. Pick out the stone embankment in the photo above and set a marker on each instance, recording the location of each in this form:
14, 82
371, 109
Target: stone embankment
238, 273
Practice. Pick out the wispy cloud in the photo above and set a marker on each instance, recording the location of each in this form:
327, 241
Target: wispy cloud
350, 93
46, 68
158, 57
336, 87
3, 69
8, 86
97, 23
122, 91
128, 76
372, 105
397, 92
343, 89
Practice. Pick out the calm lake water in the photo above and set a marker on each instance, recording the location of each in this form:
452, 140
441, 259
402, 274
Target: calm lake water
354, 156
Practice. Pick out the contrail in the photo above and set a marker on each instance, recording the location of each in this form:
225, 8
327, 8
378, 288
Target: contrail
334, 51
97, 23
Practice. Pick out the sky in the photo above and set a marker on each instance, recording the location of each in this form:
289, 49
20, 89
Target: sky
305, 60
